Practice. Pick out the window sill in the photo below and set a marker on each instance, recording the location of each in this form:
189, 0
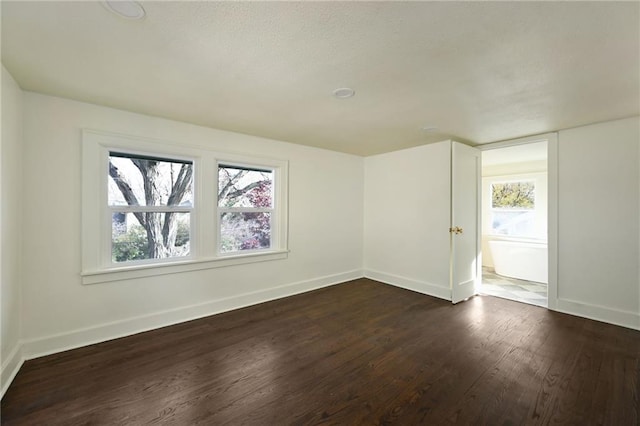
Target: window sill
143, 271
500, 237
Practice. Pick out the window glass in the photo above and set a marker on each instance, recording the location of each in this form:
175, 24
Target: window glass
513, 209
245, 205
130, 240
149, 181
150, 201
245, 231
243, 187
519, 195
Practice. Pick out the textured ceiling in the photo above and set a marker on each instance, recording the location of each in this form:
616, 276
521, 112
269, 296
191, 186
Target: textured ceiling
479, 72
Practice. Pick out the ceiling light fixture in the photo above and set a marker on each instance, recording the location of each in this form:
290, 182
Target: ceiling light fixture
344, 93
429, 129
125, 8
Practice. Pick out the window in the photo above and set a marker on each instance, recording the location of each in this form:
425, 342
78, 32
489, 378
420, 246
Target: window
513, 209
151, 208
150, 201
245, 208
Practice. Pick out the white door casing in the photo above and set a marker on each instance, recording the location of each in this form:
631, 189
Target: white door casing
465, 262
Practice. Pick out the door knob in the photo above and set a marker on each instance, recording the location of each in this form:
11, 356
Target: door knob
456, 230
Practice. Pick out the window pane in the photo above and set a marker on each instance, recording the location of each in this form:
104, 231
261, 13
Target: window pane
244, 231
515, 223
147, 181
513, 195
137, 236
240, 187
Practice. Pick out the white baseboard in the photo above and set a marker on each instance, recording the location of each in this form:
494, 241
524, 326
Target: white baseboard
599, 313
10, 367
35, 348
409, 284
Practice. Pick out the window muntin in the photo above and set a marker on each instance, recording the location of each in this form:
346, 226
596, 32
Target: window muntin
246, 201
513, 209
150, 201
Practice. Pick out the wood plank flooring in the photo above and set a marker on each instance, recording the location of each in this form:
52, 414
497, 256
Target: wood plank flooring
356, 353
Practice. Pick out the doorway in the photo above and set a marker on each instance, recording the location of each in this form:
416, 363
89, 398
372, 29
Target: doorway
514, 229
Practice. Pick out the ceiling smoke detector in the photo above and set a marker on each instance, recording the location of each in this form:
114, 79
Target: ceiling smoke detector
126, 9
344, 93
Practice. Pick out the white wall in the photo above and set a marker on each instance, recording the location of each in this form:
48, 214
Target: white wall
514, 168
598, 222
10, 227
407, 215
325, 231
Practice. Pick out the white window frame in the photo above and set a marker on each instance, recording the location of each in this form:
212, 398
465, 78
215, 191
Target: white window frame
108, 236
97, 265
274, 237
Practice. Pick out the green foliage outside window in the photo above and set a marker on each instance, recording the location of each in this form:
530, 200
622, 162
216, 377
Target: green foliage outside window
513, 195
134, 245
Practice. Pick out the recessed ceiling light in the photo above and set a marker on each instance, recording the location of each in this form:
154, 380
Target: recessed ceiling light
125, 8
344, 93
429, 129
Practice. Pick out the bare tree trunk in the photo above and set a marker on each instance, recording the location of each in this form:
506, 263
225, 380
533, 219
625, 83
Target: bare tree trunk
162, 236
179, 189
150, 173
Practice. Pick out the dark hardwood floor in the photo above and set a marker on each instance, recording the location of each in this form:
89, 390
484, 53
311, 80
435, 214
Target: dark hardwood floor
356, 353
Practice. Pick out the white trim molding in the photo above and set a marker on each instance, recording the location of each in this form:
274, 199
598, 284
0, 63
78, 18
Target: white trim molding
552, 219
628, 319
10, 367
423, 287
128, 273
552, 204
520, 141
47, 345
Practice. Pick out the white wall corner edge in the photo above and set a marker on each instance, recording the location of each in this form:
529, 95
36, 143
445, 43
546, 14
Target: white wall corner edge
34, 348
409, 284
626, 319
10, 368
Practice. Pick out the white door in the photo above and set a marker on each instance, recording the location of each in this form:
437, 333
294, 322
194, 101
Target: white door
465, 219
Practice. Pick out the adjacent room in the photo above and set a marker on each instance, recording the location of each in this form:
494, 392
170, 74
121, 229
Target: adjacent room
514, 223
320, 213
